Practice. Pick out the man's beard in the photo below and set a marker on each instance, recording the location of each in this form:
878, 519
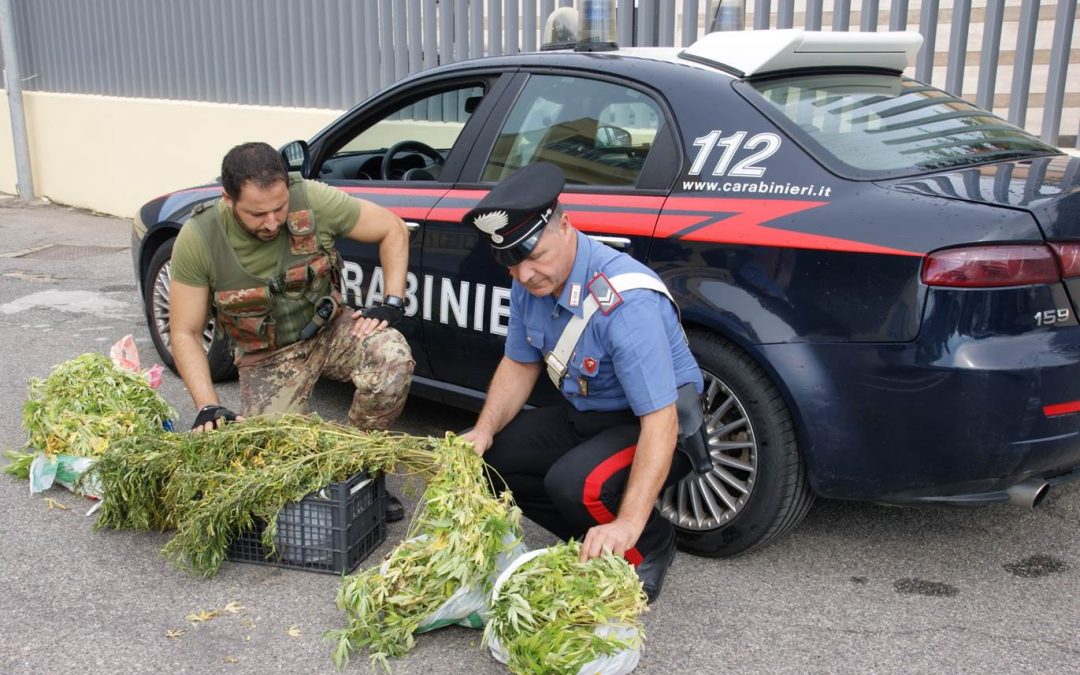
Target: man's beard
257, 233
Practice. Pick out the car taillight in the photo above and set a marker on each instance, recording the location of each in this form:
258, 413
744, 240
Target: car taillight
1069, 256
989, 266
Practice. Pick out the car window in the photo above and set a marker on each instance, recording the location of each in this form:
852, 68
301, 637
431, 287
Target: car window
873, 126
597, 132
428, 126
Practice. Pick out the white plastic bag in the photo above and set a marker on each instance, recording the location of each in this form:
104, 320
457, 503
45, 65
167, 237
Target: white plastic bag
469, 606
618, 663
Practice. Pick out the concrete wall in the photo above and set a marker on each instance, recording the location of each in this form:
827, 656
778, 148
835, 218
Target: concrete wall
112, 154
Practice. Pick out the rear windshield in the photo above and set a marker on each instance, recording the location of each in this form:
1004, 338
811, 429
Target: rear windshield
877, 126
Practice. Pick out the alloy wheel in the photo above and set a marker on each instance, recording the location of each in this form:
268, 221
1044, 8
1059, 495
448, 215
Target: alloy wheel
706, 502
160, 310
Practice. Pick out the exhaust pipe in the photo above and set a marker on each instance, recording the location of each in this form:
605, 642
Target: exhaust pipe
1028, 493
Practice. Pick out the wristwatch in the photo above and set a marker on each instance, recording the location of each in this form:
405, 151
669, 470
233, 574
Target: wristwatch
395, 301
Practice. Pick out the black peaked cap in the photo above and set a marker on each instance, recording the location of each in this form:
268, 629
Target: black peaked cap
513, 215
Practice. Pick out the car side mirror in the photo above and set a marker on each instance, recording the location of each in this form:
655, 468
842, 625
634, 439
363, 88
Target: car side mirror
297, 157
608, 136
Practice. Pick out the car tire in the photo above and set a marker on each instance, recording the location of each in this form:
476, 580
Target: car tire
219, 348
757, 489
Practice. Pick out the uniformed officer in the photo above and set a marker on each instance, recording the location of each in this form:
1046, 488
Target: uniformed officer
263, 257
604, 328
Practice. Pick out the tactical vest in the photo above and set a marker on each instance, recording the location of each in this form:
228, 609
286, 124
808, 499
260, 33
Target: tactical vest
267, 314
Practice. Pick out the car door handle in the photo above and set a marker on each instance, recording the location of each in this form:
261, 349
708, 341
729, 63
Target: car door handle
411, 226
617, 243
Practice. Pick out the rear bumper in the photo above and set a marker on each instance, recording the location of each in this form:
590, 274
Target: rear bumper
913, 422
964, 498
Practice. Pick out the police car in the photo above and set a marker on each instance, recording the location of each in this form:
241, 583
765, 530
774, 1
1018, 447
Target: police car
879, 280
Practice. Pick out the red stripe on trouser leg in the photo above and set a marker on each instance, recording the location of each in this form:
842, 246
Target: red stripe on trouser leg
590, 496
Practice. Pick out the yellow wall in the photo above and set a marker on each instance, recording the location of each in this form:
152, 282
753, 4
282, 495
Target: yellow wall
7, 150
113, 154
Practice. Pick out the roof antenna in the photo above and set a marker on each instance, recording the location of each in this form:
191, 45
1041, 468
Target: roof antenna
730, 15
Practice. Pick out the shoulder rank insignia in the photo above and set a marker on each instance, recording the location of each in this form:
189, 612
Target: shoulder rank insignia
605, 294
201, 207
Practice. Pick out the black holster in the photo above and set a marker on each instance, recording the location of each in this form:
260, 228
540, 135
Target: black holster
326, 309
693, 436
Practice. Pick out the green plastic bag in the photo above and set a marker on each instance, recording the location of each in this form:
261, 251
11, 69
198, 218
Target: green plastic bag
63, 469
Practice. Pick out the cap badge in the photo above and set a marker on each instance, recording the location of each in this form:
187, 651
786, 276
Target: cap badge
491, 223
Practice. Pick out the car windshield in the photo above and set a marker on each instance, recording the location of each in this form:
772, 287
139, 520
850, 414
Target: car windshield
876, 126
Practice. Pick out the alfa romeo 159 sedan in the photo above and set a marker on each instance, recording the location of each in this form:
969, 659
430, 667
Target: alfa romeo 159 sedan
879, 280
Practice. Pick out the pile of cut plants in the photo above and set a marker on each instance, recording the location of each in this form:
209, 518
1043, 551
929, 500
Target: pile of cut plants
460, 539
83, 407
462, 561
554, 613
211, 487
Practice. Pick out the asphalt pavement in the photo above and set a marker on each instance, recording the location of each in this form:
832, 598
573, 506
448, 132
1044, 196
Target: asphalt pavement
855, 588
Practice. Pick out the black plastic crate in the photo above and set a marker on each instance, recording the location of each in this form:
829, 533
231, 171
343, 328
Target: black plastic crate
330, 530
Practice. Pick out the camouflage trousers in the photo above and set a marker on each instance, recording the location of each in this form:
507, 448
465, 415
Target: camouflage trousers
379, 365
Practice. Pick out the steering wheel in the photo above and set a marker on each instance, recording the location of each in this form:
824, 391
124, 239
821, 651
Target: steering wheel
409, 146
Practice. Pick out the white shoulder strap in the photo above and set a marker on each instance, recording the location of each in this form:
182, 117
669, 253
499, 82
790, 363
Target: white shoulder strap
558, 357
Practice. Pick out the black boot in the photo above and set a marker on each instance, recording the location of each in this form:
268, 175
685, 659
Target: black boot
652, 569
394, 510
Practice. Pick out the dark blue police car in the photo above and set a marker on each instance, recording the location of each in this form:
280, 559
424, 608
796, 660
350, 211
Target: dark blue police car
879, 280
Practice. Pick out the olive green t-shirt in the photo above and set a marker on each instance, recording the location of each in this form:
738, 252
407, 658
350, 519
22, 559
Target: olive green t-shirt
335, 215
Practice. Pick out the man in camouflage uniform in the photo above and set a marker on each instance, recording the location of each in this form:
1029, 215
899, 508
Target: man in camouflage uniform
263, 258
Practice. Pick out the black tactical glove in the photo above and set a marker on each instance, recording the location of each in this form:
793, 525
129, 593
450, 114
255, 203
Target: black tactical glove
388, 313
211, 413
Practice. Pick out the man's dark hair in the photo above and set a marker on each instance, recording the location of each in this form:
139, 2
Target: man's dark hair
256, 162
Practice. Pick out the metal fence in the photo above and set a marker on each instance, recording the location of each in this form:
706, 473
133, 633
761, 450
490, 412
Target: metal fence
334, 53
